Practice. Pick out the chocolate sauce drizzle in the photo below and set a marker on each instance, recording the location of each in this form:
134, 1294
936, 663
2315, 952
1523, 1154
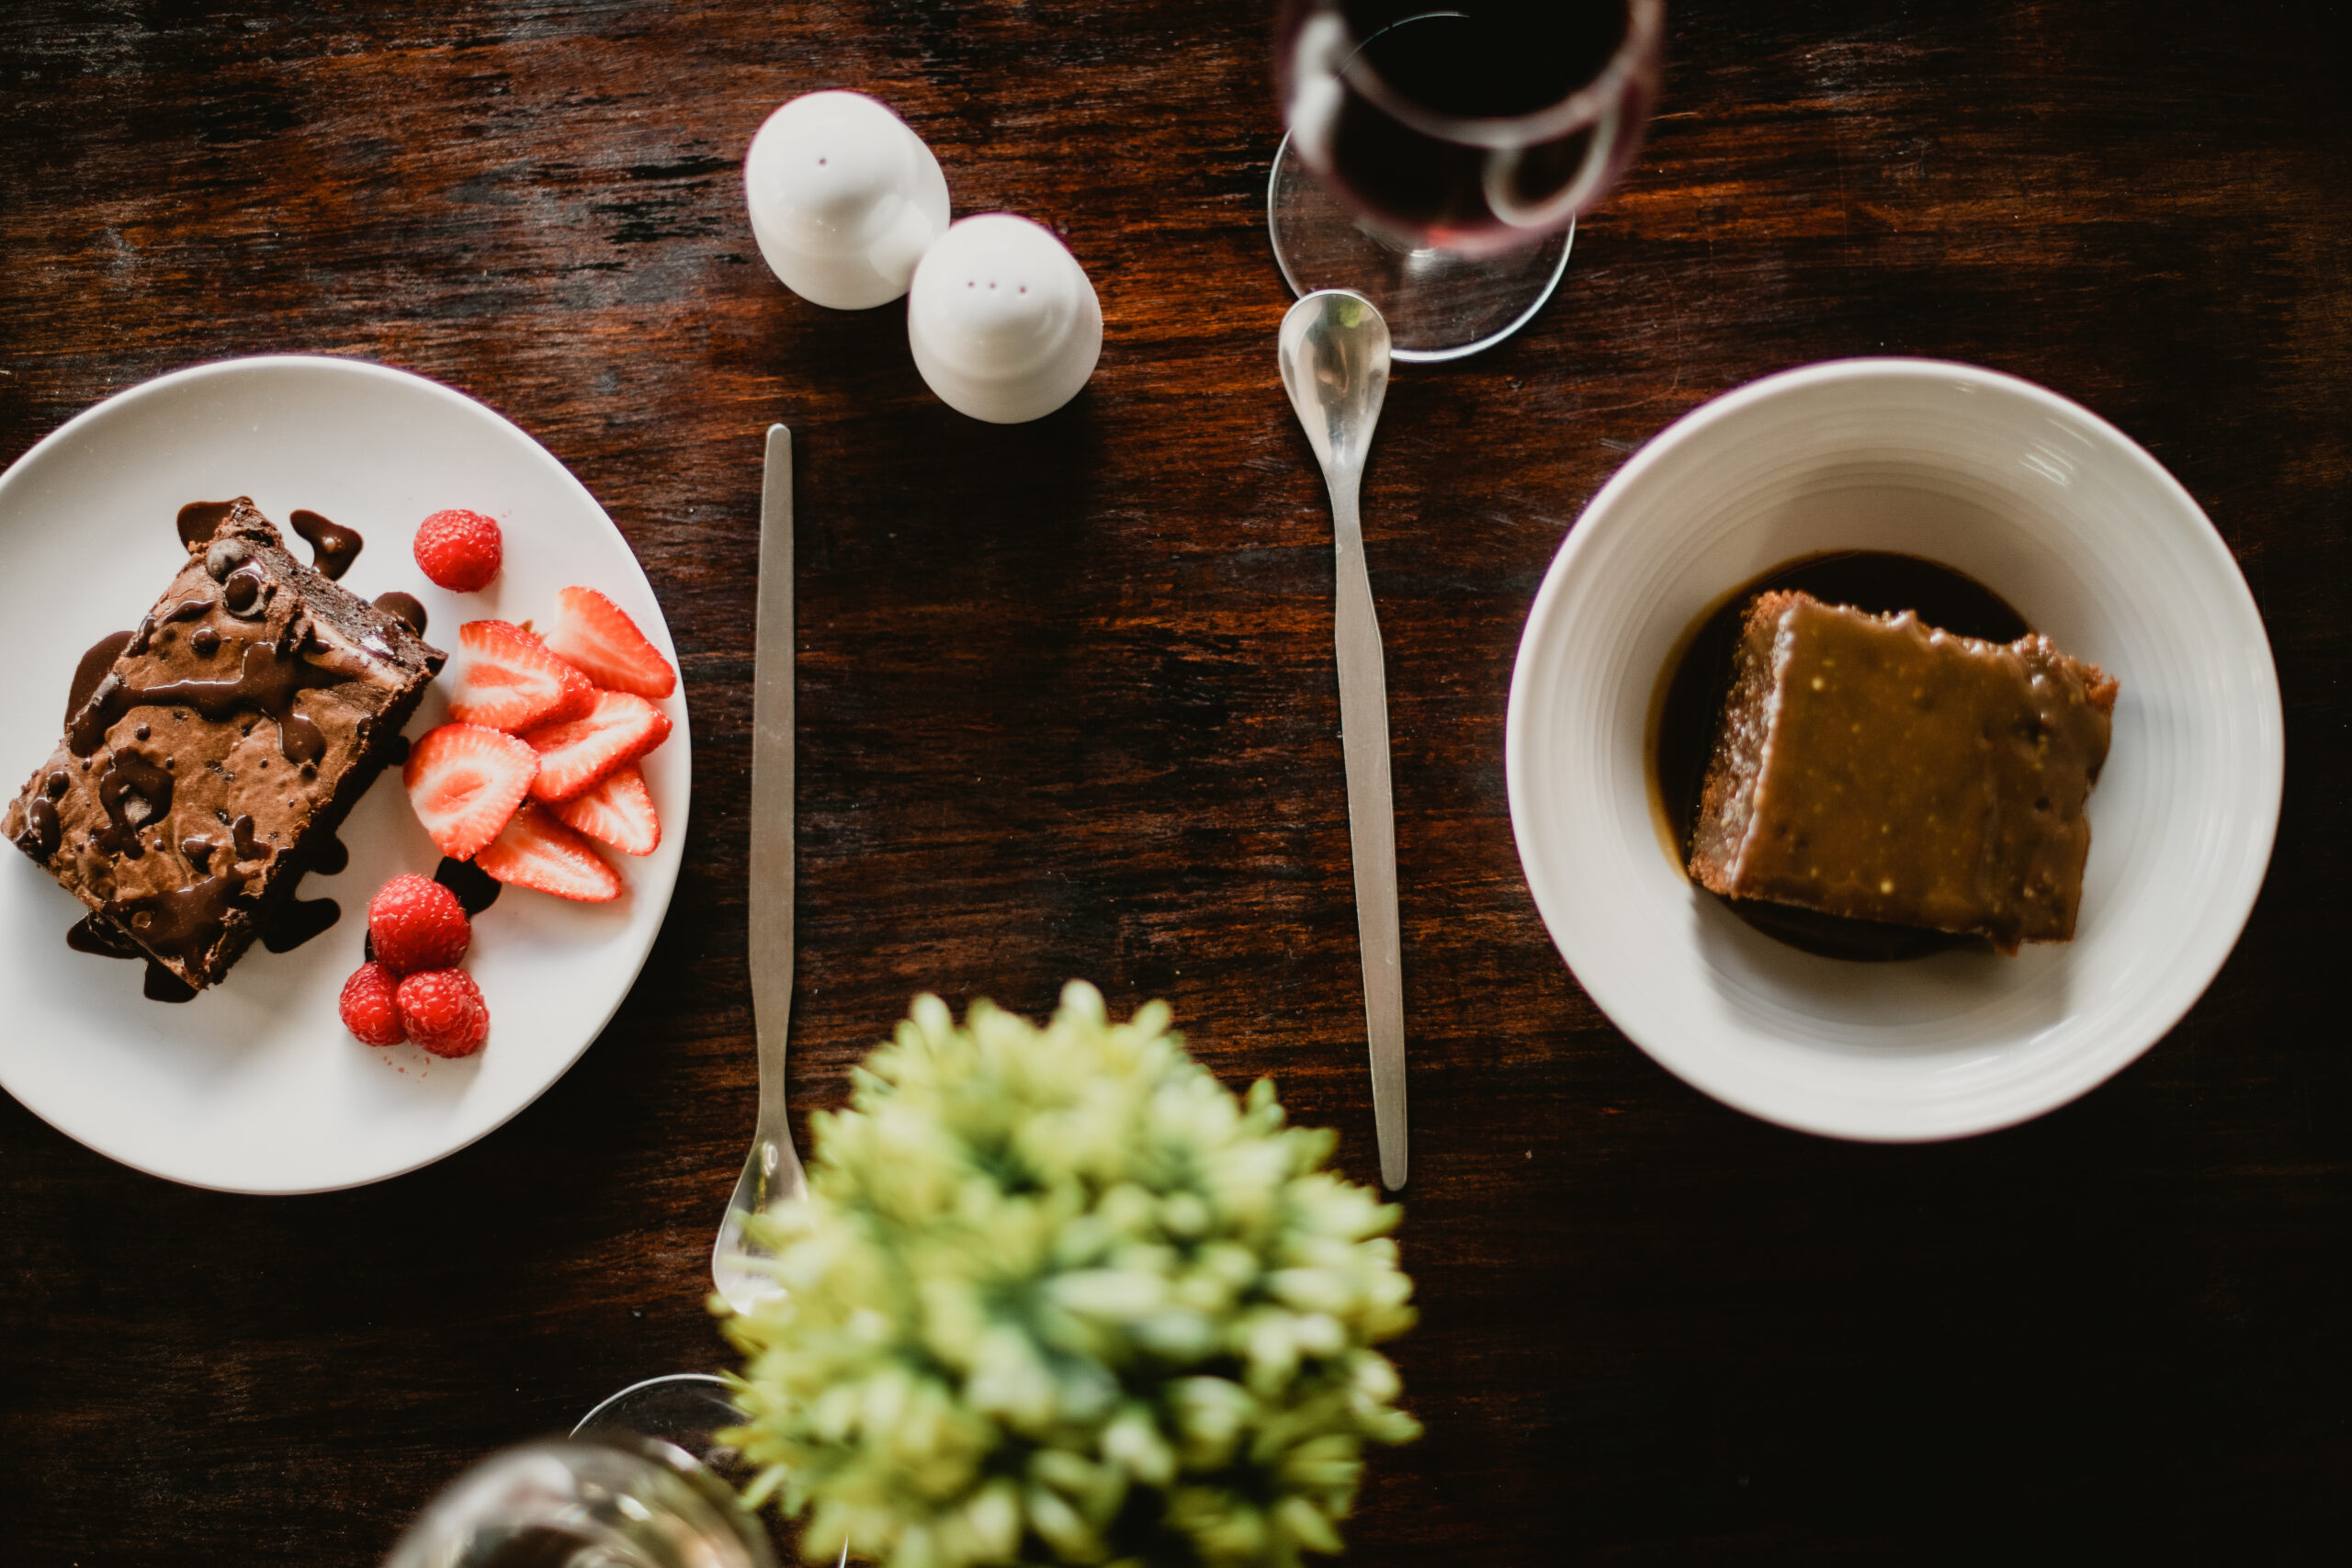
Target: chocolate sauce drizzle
268, 682
162, 986
134, 793
331, 858
476, 890
186, 610
106, 941
89, 935
402, 607
297, 920
41, 821
288, 926
333, 546
180, 923
199, 520
93, 669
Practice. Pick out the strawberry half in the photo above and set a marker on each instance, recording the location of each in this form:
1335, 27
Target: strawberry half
538, 851
618, 809
574, 754
509, 681
595, 635
465, 782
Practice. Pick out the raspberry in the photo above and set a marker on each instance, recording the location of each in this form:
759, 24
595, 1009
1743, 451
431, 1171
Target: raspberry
443, 1011
368, 1010
415, 923
459, 550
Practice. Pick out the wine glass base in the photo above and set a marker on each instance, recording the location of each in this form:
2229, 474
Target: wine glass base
687, 1410
1437, 305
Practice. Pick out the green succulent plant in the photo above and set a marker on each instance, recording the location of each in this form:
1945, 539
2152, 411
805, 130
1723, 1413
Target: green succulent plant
1057, 1296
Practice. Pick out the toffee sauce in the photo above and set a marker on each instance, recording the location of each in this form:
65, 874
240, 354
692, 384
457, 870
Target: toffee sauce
1688, 709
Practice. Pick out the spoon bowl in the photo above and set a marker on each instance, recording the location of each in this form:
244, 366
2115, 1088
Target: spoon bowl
1334, 353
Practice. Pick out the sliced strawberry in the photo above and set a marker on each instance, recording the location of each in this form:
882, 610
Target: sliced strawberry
593, 633
574, 755
507, 680
465, 782
536, 850
618, 809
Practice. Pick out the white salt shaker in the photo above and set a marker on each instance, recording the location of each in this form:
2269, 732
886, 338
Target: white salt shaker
844, 199
1004, 324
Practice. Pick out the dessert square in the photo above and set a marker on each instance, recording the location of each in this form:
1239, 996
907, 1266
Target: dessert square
217, 745
1875, 768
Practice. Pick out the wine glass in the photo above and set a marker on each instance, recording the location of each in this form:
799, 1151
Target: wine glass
1437, 158
574, 1503
644, 1481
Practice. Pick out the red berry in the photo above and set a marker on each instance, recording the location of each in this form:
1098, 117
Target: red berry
368, 1009
618, 809
443, 1012
509, 681
574, 755
465, 782
417, 924
459, 550
538, 851
595, 636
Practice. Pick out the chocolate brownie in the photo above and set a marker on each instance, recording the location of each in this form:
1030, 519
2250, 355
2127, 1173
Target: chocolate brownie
1875, 768
207, 751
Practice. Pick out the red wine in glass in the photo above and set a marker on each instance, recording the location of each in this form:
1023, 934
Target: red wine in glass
1467, 130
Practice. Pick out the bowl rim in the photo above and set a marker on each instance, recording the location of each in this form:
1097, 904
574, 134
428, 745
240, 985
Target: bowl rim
2224, 919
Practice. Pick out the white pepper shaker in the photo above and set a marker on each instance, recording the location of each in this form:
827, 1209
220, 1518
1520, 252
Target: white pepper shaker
1003, 322
844, 198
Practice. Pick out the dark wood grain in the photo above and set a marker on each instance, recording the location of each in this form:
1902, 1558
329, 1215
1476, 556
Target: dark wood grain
1067, 708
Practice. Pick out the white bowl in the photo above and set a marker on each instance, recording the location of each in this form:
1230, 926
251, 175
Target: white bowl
2097, 546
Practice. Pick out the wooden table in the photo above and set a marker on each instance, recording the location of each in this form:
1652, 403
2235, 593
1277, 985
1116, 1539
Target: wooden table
1067, 708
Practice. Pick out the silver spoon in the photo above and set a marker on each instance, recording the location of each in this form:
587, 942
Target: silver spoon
1334, 353
771, 1170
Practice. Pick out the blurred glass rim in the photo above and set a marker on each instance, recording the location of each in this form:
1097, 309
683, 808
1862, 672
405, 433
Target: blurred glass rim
1645, 25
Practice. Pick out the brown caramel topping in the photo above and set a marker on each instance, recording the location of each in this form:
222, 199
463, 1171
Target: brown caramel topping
1874, 768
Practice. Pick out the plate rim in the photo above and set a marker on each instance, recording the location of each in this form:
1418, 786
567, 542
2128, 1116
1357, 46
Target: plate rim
682, 734
2226, 922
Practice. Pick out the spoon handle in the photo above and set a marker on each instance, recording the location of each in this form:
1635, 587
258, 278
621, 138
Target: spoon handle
772, 1169
1371, 827
770, 892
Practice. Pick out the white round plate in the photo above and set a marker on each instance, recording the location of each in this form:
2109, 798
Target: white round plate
254, 1085
2097, 546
